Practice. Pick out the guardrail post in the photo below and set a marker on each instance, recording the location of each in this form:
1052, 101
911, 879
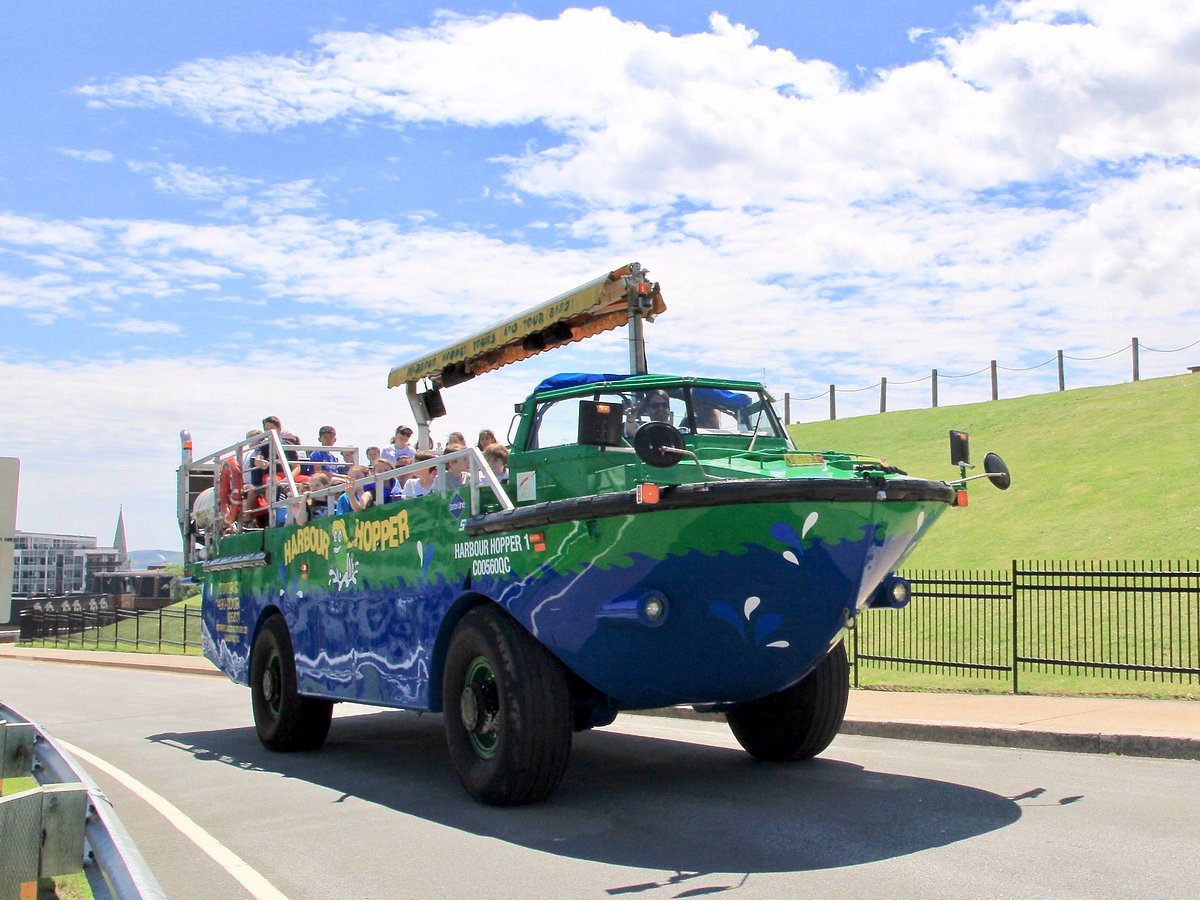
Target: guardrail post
787, 413
21, 825
1062, 382
883, 394
64, 812
934, 382
832, 402
995, 383
16, 750
1137, 374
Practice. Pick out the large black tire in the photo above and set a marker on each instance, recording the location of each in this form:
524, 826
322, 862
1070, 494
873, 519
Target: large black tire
285, 721
507, 711
800, 721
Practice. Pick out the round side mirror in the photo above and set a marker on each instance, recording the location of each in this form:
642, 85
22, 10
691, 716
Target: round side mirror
655, 443
997, 471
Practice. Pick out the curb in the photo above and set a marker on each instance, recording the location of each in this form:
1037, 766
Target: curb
181, 665
1144, 745
1148, 745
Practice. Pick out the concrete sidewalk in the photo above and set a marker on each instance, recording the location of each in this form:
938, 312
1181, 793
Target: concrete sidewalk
1161, 728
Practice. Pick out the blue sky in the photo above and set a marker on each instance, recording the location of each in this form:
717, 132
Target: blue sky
214, 211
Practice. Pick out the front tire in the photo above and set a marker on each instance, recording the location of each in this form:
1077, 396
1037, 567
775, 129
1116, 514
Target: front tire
800, 721
507, 711
285, 721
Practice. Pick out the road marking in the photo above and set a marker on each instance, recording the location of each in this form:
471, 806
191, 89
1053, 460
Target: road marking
258, 886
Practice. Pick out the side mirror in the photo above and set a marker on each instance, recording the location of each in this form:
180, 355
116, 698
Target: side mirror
997, 471
658, 444
600, 423
960, 449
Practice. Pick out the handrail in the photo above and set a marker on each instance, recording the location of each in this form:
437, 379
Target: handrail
285, 484
480, 476
121, 870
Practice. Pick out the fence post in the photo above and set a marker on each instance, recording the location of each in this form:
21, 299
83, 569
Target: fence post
1062, 383
1015, 630
854, 643
883, 395
935, 388
160, 629
995, 384
787, 412
1136, 370
832, 402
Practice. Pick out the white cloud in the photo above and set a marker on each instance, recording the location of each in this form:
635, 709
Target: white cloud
101, 156
718, 119
145, 326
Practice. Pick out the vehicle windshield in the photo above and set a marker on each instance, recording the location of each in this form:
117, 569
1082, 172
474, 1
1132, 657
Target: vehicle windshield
693, 410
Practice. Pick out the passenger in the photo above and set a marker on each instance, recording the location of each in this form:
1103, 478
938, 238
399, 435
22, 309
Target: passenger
398, 453
422, 483
455, 439
706, 416
373, 453
487, 437
497, 458
458, 470
388, 489
318, 506
296, 511
354, 498
262, 460
324, 460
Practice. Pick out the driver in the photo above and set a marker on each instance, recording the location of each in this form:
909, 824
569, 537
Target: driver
655, 406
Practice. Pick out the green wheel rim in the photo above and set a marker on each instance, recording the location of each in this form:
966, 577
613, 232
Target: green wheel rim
480, 683
272, 682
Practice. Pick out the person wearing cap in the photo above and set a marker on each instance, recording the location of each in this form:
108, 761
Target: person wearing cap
398, 453
324, 460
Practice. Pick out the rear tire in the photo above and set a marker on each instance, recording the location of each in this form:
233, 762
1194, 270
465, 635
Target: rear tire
800, 721
285, 721
507, 711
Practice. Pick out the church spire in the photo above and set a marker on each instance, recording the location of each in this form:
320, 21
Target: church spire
119, 540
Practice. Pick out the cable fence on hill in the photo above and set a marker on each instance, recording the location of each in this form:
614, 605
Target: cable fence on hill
940, 388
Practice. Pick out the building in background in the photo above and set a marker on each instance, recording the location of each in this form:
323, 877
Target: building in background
57, 565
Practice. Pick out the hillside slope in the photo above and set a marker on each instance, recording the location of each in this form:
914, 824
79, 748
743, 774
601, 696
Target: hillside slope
1098, 473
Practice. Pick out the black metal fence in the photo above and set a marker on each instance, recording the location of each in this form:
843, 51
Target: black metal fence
164, 630
1137, 620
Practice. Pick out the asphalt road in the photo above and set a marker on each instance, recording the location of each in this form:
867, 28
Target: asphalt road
650, 808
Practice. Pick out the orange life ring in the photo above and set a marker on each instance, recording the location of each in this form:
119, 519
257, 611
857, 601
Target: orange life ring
229, 491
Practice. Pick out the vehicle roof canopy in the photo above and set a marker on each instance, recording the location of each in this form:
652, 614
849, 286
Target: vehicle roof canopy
598, 306
715, 391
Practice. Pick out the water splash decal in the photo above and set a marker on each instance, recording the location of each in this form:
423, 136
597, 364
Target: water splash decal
763, 626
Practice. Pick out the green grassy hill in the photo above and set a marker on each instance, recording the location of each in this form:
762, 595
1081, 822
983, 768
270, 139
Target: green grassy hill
1098, 473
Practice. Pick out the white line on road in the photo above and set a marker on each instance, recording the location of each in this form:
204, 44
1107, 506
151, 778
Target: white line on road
258, 886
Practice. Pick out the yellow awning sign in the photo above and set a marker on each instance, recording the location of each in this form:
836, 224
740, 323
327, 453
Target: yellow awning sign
596, 307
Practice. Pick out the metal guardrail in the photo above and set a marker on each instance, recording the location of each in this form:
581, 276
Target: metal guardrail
63, 826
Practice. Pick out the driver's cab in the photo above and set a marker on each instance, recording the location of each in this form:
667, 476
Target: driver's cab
581, 439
